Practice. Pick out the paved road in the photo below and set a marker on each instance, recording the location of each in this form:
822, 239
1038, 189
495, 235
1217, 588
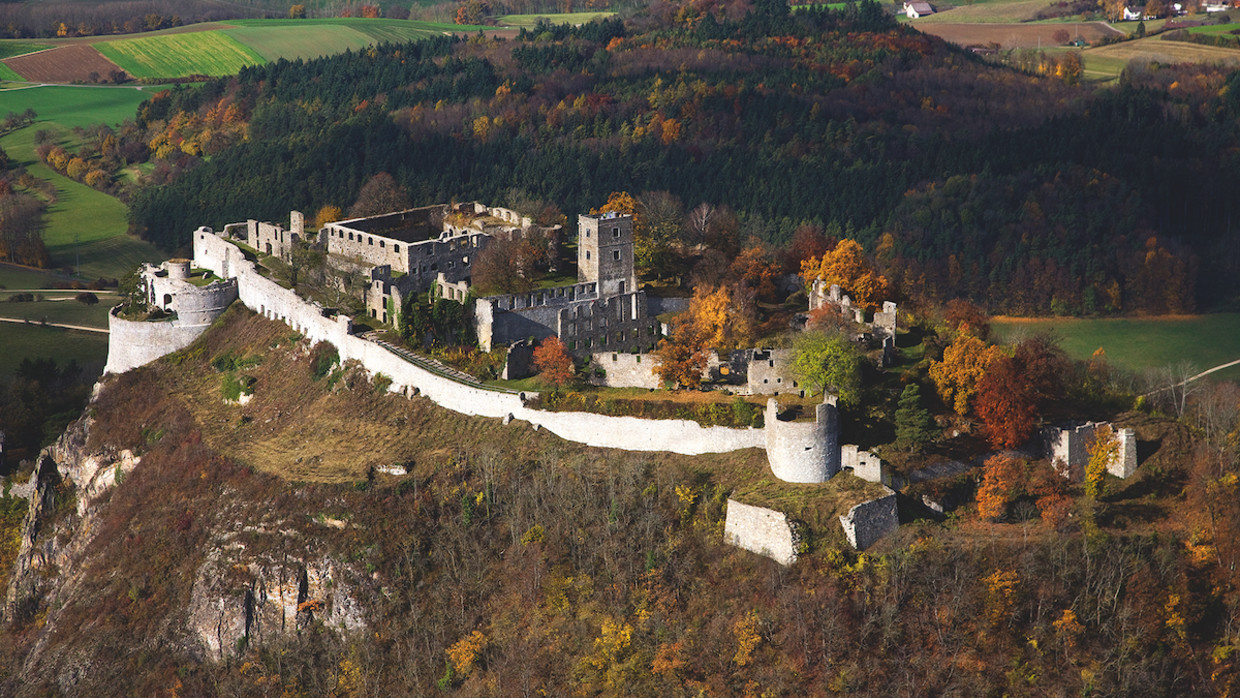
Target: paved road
23, 321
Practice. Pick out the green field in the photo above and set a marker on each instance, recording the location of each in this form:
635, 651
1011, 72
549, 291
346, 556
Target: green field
89, 349
293, 39
84, 225
1215, 29
7, 73
1137, 344
180, 55
59, 307
563, 18
13, 278
8, 49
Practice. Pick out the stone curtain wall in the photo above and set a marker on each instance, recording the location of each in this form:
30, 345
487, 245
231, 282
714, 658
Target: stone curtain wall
762, 531
868, 521
628, 433
1068, 449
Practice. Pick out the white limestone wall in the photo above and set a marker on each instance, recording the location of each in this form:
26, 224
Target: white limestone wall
1125, 462
133, 344
864, 464
803, 451
762, 531
865, 523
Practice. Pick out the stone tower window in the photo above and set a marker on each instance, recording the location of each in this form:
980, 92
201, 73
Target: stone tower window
615, 255
615, 232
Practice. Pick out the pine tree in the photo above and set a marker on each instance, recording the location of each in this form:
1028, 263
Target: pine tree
914, 423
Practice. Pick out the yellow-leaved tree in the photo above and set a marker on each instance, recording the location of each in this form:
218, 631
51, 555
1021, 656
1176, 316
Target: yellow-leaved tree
847, 267
963, 365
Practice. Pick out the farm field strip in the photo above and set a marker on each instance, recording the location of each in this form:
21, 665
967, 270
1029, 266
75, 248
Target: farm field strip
1216, 29
562, 18
9, 49
1014, 35
83, 226
63, 64
180, 55
64, 312
292, 42
7, 73
1155, 49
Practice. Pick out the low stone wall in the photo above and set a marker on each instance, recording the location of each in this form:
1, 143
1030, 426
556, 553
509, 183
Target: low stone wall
762, 531
868, 521
132, 344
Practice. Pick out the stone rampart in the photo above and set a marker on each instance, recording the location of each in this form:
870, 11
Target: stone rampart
868, 521
762, 531
804, 451
132, 344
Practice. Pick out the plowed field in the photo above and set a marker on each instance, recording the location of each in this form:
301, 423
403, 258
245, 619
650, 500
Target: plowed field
1014, 35
63, 64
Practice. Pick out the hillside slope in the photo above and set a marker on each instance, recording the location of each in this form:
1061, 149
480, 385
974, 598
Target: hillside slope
252, 550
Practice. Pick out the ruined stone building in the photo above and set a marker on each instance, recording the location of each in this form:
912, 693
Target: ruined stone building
603, 311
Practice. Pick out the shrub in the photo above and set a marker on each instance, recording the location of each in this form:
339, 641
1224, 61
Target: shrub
322, 357
87, 298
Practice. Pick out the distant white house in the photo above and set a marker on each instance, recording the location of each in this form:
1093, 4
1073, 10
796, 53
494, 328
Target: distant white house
1131, 14
917, 9
1216, 7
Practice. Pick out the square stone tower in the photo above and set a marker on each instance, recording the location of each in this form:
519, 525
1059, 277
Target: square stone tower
605, 253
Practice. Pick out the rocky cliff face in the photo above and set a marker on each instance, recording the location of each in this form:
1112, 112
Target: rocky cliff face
257, 581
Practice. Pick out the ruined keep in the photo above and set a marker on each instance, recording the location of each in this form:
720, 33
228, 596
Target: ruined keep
804, 451
603, 311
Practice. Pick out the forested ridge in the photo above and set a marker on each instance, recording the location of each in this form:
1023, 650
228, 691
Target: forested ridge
966, 179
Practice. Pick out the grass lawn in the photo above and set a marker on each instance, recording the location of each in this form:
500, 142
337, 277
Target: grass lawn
1140, 343
8, 49
180, 55
562, 18
60, 307
89, 349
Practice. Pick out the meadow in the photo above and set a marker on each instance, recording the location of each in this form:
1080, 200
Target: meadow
180, 55
1113, 58
59, 307
83, 226
1137, 344
8, 49
289, 39
88, 349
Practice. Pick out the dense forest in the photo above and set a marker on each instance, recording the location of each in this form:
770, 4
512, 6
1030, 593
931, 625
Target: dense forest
965, 178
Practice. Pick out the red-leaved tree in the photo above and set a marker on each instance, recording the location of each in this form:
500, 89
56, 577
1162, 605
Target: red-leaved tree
554, 363
1005, 403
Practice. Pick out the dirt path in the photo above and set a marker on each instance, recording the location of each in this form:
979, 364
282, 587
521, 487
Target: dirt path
83, 328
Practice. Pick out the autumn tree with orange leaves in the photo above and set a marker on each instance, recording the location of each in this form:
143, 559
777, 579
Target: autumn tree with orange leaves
554, 363
1005, 403
721, 318
847, 266
957, 375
